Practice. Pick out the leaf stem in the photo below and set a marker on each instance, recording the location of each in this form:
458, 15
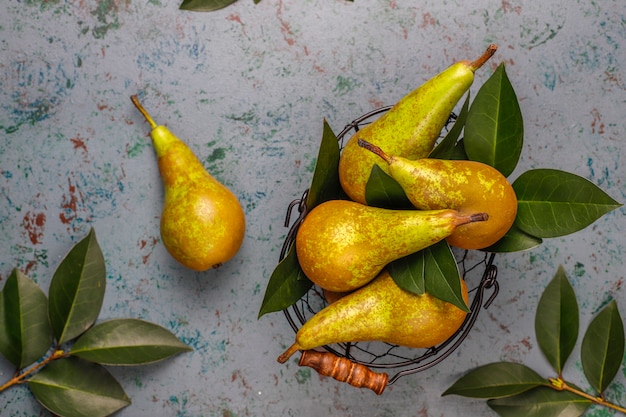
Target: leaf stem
20, 376
560, 385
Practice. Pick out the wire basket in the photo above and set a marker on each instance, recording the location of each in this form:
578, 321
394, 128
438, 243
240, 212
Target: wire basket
368, 364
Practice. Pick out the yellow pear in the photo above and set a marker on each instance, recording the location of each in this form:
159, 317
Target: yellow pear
381, 311
202, 222
465, 186
342, 245
410, 128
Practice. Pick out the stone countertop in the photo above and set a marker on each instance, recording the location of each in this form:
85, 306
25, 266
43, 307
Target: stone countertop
248, 88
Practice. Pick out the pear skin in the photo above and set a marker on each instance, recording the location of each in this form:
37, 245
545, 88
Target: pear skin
342, 245
381, 311
410, 128
465, 186
332, 296
202, 223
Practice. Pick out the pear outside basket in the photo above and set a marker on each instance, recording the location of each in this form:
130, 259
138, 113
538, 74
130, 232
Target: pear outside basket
368, 364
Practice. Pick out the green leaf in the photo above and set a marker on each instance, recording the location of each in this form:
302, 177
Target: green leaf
446, 149
127, 342
494, 130
408, 272
383, 191
514, 240
25, 333
325, 183
541, 402
205, 5
602, 349
72, 387
556, 321
434, 270
554, 203
496, 380
459, 151
441, 275
77, 289
286, 285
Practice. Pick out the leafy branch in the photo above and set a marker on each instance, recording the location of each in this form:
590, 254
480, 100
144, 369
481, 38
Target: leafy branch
513, 389
206, 5
57, 348
21, 376
210, 5
561, 385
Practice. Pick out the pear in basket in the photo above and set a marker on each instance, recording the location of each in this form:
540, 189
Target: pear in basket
381, 311
410, 128
342, 245
466, 186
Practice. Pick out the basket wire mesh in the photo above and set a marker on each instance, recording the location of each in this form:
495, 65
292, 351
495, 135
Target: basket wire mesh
476, 267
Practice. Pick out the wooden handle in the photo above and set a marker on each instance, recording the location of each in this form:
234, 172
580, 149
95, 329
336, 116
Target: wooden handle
344, 370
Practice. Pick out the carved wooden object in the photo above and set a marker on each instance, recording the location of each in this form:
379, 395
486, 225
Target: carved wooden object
344, 370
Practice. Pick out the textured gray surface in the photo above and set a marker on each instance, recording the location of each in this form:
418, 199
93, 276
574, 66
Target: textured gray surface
248, 88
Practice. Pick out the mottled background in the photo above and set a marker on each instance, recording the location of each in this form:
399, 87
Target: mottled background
248, 88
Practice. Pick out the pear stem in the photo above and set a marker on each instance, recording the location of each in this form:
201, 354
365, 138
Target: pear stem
491, 49
143, 111
288, 353
471, 218
479, 217
373, 148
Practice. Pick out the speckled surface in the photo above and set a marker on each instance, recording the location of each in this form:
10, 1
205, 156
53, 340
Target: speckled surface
248, 88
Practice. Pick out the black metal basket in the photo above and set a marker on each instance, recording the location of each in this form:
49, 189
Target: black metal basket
476, 267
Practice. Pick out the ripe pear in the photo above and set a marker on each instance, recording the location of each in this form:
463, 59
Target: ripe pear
332, 296
381, 311
410, 128
465, 186
202, 222
342, 245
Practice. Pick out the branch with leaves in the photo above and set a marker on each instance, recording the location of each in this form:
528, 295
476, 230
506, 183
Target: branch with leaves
55, 346
210, 5
513, 389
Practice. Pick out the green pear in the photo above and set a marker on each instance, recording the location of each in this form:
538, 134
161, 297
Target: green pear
410, 128
202, 222
381, 311
342, 245
465, 186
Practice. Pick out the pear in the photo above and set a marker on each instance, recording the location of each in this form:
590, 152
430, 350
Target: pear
410, 128
465, 186
202, 223
381, 311
332, 296
342, 245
